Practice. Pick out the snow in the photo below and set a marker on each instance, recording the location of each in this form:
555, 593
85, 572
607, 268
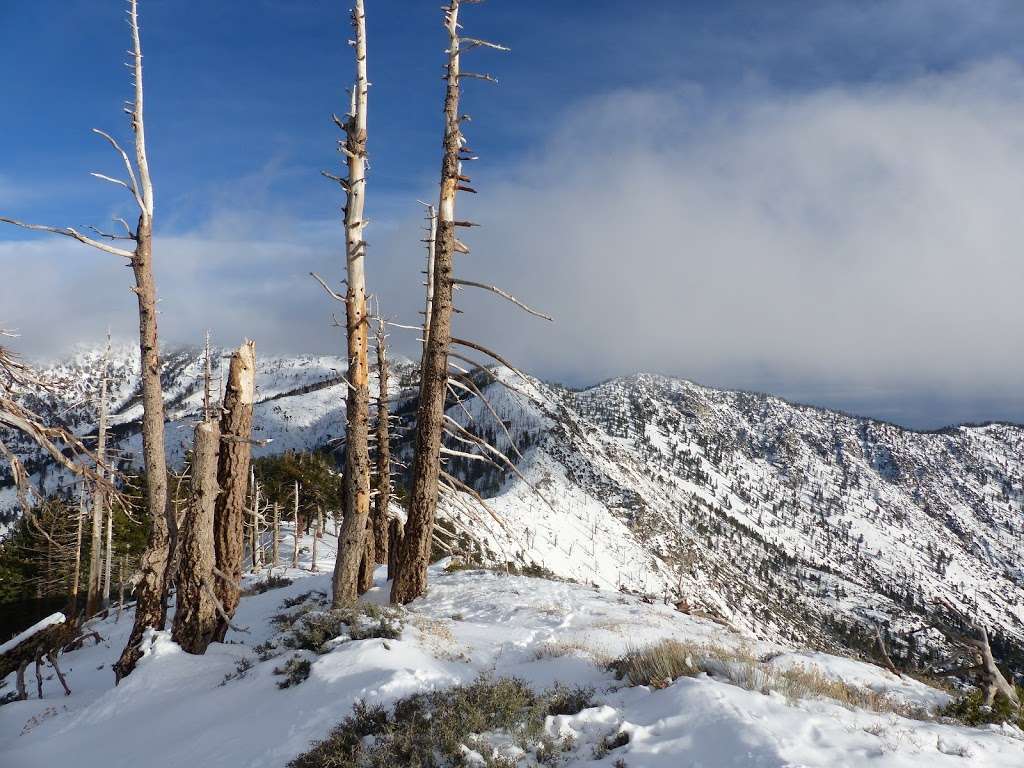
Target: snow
39, 626
173, 710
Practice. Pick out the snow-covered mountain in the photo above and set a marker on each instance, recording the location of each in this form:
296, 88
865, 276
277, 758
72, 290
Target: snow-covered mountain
788, 521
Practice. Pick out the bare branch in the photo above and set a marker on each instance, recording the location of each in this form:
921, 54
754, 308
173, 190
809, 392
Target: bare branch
73, 234
134, 186
469, 43
330, 292
492, 354
505, 295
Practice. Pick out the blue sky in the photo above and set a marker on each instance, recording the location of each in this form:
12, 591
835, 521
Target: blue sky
753, 135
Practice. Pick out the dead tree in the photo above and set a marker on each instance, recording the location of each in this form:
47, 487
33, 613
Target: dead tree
356, 480
76, 574
99, 498
108, 550
45, 640
411, 574
233, 476
59, 444
195, 615
151, 607
317, 533
275, 547
382, 499
971, 636
430, 241
297, 532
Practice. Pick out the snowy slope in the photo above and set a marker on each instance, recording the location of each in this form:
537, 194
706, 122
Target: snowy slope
174, 711
793, 522
299, 404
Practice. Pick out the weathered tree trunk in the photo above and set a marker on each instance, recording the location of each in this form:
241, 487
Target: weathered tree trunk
992, 677
276, 547
108, 549
383, 498
429, 282
367, 562
195, 615
296, 537
233, 479
410, 579
99, 498
356, 480
313, 567
395, 533
151, 606
254, 544
77, 572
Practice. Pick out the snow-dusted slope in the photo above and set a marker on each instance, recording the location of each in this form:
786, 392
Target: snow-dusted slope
790, 521
178, 710
299, 404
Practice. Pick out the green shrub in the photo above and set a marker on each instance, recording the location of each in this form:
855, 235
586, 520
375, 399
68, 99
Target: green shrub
313, 630
267, 584
531, 569
430, 730
296, 670
970, 710
242, 667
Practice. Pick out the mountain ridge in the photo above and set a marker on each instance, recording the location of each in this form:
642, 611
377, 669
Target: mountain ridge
791, 520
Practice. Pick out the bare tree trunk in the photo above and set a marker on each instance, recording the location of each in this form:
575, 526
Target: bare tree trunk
410, 579
120, 587
109, 555
76, 573
195, 615
254, 531
383, 498
99, 497
431, 244
151, 606
394, 545
295, 550
276, 547
367, 562
316, 537
207, 379
233, 478
356, 481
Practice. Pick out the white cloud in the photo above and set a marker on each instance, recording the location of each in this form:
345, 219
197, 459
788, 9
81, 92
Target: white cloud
830, 244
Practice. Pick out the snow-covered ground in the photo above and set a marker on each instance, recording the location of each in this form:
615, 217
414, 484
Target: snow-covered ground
174, 711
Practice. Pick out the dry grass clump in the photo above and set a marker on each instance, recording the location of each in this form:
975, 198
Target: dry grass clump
658, 665
556, 649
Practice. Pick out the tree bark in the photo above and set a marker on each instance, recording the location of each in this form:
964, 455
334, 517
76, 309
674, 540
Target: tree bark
151, 606
394, 544
411, 574
356, 480
195, 615
233, 479
368, 561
